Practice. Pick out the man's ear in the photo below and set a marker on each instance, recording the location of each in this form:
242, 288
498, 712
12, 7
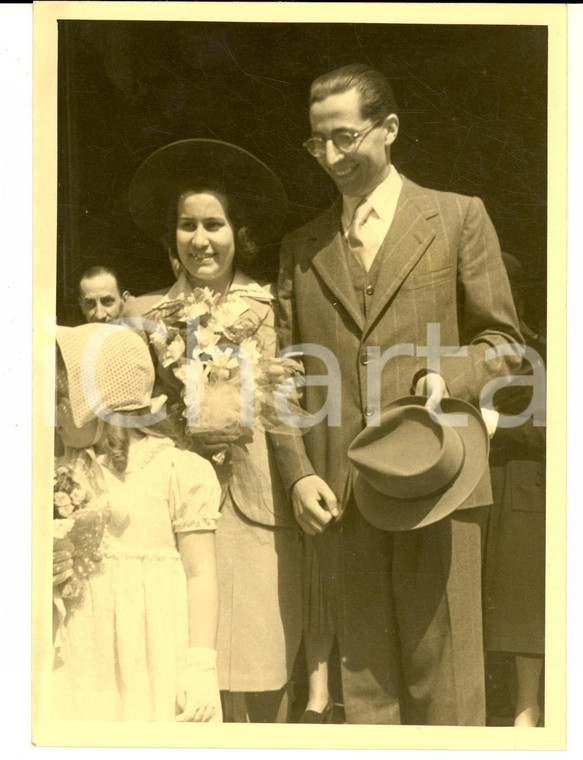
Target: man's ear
391, 124
125, 295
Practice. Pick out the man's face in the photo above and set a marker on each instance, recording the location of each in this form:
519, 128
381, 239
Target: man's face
100, 299
368, 164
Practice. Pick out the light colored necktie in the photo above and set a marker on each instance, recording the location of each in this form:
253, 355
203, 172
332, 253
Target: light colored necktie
360, 237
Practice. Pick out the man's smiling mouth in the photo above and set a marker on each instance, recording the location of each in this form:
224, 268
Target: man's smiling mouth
343, 172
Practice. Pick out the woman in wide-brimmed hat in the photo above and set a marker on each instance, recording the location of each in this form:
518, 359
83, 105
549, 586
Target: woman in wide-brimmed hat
213, 206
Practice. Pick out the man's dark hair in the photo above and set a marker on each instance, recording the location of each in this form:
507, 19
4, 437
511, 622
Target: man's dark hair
98, 270
376, 95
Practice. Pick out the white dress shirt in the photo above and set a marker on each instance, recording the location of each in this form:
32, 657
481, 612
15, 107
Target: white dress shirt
384, 200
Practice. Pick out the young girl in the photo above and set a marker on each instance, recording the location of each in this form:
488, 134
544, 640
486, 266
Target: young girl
139, 644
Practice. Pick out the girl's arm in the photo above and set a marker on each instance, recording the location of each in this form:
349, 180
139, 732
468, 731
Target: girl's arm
199, 697
197, 551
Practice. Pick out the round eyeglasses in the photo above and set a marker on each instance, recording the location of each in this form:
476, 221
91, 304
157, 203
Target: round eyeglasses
344, 140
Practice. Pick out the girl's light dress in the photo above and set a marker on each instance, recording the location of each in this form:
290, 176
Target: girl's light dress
122, 651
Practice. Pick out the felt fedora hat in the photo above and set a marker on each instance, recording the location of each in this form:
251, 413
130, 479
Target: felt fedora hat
414, 469
199, 164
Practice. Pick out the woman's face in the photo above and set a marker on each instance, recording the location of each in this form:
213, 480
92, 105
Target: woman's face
205, 240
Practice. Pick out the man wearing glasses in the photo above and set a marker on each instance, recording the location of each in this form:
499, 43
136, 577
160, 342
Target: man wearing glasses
385, 261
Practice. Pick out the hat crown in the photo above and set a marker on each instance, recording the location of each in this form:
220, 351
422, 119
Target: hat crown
410, 455
420, 456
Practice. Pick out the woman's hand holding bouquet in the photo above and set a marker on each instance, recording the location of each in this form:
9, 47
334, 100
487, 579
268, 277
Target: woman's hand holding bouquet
215, 444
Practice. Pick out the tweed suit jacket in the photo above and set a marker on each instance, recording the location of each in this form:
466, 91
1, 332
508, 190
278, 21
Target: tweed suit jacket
442, 265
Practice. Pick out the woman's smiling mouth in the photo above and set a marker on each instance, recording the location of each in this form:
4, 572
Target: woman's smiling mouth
202, 256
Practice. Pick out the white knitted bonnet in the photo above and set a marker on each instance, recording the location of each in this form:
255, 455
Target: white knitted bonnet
109, 369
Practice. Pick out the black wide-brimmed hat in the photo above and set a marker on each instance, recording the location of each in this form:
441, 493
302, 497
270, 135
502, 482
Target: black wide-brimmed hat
190, 164
414, 469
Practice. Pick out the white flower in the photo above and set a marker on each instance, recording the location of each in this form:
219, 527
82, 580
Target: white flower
198, 309
63, 504
78, 496
206, 338
223, 359
174, 351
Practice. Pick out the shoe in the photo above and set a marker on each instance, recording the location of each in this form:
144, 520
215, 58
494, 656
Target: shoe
312, 716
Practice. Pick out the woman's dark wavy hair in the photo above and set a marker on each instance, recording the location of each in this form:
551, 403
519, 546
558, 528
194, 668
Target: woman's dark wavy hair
246, 248
376, 94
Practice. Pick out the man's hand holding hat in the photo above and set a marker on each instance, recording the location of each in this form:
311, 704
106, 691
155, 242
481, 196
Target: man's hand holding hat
433, 386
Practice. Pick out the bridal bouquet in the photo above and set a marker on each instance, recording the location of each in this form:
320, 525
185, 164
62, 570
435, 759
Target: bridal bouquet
214, 348
79, 517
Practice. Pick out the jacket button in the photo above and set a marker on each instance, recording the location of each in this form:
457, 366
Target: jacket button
369, 411
364, 357
369, 290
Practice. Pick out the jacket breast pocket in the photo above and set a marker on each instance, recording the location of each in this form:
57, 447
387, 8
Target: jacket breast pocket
425, 279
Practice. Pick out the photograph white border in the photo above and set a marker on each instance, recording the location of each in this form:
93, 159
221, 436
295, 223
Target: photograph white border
47, 732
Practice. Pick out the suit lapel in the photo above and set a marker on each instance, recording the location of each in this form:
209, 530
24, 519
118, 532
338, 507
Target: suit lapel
329, 262
407, 240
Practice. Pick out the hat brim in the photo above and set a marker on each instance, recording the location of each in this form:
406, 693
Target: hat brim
387, 513
188, 164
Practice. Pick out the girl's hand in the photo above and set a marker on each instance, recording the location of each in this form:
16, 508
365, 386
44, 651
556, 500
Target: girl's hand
198, 697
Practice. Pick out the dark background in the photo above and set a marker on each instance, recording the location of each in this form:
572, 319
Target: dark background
472, 104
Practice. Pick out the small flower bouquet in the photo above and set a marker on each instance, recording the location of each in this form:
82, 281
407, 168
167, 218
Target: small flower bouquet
214, 347
79, 517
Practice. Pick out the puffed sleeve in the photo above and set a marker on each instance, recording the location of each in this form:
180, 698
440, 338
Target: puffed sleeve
195, 493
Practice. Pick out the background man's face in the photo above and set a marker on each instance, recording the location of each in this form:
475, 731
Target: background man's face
359, 172
100, 299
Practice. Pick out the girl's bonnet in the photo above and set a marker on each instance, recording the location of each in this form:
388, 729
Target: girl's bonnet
109, 370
